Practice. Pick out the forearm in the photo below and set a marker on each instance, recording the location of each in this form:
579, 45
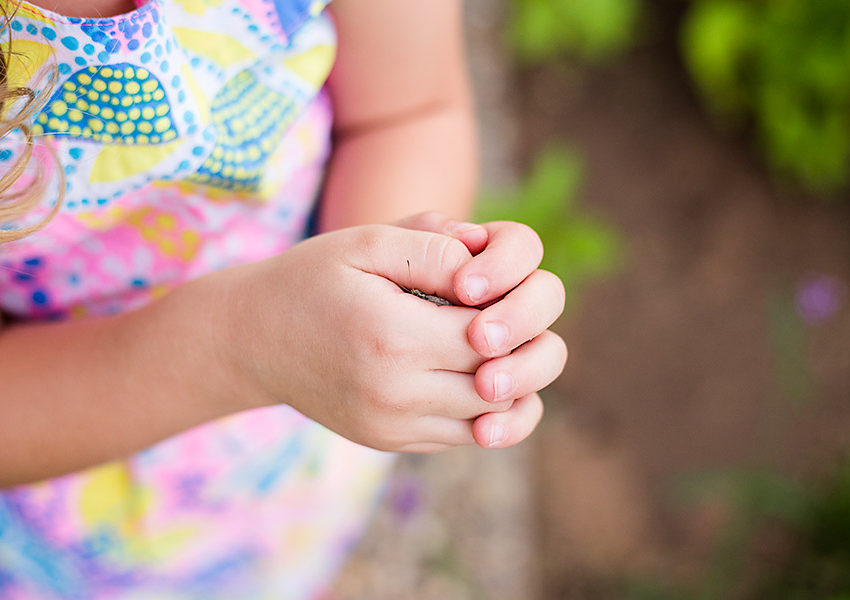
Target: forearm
404, 129
80, 393
382, 173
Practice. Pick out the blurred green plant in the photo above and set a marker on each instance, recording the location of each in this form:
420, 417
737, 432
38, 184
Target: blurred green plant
754, 497
820, 567
543, 30
815, 519
787, 340
780, 66
578, 246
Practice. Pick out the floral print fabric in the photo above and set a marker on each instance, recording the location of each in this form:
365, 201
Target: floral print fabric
192, 136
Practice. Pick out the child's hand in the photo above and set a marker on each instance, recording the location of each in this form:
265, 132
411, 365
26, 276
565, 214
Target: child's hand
324, 328
512, 330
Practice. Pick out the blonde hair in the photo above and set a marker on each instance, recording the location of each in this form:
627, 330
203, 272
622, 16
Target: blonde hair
17, 107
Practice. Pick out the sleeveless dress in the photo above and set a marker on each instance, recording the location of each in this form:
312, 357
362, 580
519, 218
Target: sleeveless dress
192, 135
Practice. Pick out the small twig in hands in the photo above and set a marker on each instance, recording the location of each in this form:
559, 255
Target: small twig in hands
420, 294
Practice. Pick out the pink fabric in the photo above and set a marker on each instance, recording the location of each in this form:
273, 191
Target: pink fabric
192, 139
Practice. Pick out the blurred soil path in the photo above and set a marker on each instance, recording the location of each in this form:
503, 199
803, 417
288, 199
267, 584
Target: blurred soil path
723, 342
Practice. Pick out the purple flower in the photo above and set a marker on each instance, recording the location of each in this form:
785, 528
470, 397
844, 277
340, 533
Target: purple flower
405, 496
819, 297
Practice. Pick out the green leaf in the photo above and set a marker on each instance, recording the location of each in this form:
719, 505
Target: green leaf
782, 66
542, 30
577, 247
716, 42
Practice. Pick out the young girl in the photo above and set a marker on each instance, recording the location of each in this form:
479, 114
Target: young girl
194, 400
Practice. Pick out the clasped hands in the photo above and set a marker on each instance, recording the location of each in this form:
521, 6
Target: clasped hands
328, 329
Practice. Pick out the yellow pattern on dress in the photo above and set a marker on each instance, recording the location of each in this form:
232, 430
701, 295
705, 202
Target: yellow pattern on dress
220, 48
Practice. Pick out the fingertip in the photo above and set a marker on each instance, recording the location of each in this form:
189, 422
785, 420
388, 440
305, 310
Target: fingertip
494, 385
490, 432
471, 235
483, 386
472, 288
501, 430
489, 338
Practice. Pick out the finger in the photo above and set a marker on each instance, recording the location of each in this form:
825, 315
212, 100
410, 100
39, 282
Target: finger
473, 236
442, 430
500, 430
523, 314
411, 259
435, 336
426, 448
526, 370
513, 252
452, 395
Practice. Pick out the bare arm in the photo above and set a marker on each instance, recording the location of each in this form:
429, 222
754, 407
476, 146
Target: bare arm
80, 393
76, 394
404, 124
321, 327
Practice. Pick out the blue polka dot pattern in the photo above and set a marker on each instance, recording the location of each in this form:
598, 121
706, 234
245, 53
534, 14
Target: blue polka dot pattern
137, 101
250, 120
119, 104
70, 43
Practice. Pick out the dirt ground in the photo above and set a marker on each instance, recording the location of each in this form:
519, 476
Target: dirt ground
704, 351
722, 342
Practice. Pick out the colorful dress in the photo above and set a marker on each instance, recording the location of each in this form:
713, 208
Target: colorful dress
192, 135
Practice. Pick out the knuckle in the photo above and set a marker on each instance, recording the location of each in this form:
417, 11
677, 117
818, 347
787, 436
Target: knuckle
385, 348
429, 220
390, 351
445, 253
370, 238
433, 218
384, 343
532, 239
387, 399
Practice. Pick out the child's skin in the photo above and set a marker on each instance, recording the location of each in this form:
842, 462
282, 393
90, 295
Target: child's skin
323, 327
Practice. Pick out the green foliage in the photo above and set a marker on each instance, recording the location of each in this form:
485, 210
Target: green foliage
781, 65
787, 338
755, 494
820, 567
577, 246
815, 517
542, 30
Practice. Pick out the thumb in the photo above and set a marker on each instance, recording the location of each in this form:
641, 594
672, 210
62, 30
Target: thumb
411, 259
473, 236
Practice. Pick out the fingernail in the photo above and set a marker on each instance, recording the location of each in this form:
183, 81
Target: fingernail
503, 384
498, 434
496, 335
459, 227
476, 286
